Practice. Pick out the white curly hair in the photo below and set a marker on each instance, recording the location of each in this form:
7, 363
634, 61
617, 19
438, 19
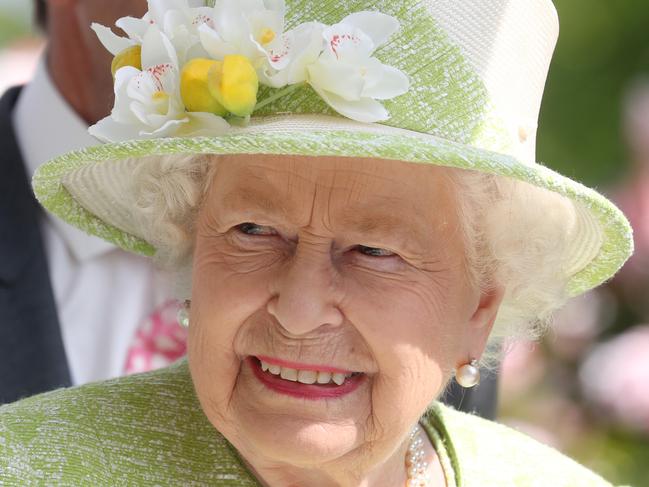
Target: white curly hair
510, 229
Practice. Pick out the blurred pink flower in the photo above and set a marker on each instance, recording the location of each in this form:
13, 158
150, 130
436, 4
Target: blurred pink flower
576, 326
636, 119
522, 367
615, 377
633, 200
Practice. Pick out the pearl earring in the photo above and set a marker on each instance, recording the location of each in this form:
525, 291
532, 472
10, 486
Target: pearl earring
468, 375
183, 314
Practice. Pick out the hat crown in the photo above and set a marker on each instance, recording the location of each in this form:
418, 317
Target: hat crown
477, 67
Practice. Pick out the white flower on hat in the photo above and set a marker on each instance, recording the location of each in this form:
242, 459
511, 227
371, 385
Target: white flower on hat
116, 44
243, 27
348, 77
289, 56
148, 102
179, 20
185, 69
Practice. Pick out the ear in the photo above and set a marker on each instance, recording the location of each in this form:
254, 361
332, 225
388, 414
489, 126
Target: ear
483, 318
487, 308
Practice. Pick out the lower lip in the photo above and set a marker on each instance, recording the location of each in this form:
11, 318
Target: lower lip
304, 391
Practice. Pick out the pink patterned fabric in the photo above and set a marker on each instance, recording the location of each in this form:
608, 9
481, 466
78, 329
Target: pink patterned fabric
159, 341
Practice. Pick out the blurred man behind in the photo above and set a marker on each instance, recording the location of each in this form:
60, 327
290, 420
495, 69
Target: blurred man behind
70, 304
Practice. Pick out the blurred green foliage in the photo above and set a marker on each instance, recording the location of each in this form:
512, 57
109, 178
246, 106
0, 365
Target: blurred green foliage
603, 46
14, 19
619, 456
10, 27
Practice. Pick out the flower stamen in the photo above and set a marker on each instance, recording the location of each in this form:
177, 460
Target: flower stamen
161, 101
159, 96
267, 36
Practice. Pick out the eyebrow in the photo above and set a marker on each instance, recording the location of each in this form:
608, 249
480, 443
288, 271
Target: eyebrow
367, 220
379, 225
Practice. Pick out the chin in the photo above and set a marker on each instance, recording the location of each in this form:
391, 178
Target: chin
293, 430
265, 422
300, 443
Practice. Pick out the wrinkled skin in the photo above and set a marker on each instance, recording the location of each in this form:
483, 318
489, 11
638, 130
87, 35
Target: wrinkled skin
354, 263
78, 64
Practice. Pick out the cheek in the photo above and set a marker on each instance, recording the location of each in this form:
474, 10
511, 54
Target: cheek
227, 289
228, 283
411, 327
405, 311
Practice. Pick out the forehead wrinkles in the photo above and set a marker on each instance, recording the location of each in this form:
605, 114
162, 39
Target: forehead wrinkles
279, 189
317, 194
343, 190
351, 193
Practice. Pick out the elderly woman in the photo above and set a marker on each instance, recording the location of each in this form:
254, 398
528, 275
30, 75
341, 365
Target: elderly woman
348, 236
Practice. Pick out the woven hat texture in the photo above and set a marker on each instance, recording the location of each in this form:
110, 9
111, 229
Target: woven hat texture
477, 69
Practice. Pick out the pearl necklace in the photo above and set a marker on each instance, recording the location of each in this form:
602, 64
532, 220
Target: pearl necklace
416, 466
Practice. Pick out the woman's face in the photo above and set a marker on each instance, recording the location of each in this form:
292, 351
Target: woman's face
322, 266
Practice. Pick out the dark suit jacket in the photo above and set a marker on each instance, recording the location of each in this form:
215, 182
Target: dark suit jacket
32, 357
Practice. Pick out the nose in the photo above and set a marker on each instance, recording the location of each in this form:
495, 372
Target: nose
306, 294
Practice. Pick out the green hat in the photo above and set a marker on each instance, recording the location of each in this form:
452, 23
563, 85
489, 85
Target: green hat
442, 82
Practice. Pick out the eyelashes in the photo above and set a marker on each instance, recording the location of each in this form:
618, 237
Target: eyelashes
254, 230
249, 228
375, 252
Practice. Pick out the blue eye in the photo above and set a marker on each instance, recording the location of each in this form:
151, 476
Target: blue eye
375, 251
254, 229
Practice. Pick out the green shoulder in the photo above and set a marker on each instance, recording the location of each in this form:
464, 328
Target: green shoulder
139, 430
489, 454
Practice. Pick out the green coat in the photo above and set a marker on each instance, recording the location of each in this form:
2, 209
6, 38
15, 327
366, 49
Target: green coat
149, 430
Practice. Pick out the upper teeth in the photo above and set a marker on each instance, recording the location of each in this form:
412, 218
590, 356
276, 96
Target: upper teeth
304, 376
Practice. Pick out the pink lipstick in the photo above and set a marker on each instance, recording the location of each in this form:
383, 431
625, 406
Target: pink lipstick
300, 390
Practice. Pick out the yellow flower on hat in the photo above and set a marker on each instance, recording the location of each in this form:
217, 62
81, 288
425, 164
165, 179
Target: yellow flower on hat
233, 82
182, 68
194, 89
131, 56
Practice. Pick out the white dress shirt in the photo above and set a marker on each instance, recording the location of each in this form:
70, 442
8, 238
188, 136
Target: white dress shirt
102, 293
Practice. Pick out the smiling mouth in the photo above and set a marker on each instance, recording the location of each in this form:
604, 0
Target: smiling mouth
309, 384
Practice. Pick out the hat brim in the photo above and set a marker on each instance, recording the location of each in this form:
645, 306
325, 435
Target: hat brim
603, 243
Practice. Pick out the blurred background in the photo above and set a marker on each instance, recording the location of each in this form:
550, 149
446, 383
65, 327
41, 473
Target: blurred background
585, 388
